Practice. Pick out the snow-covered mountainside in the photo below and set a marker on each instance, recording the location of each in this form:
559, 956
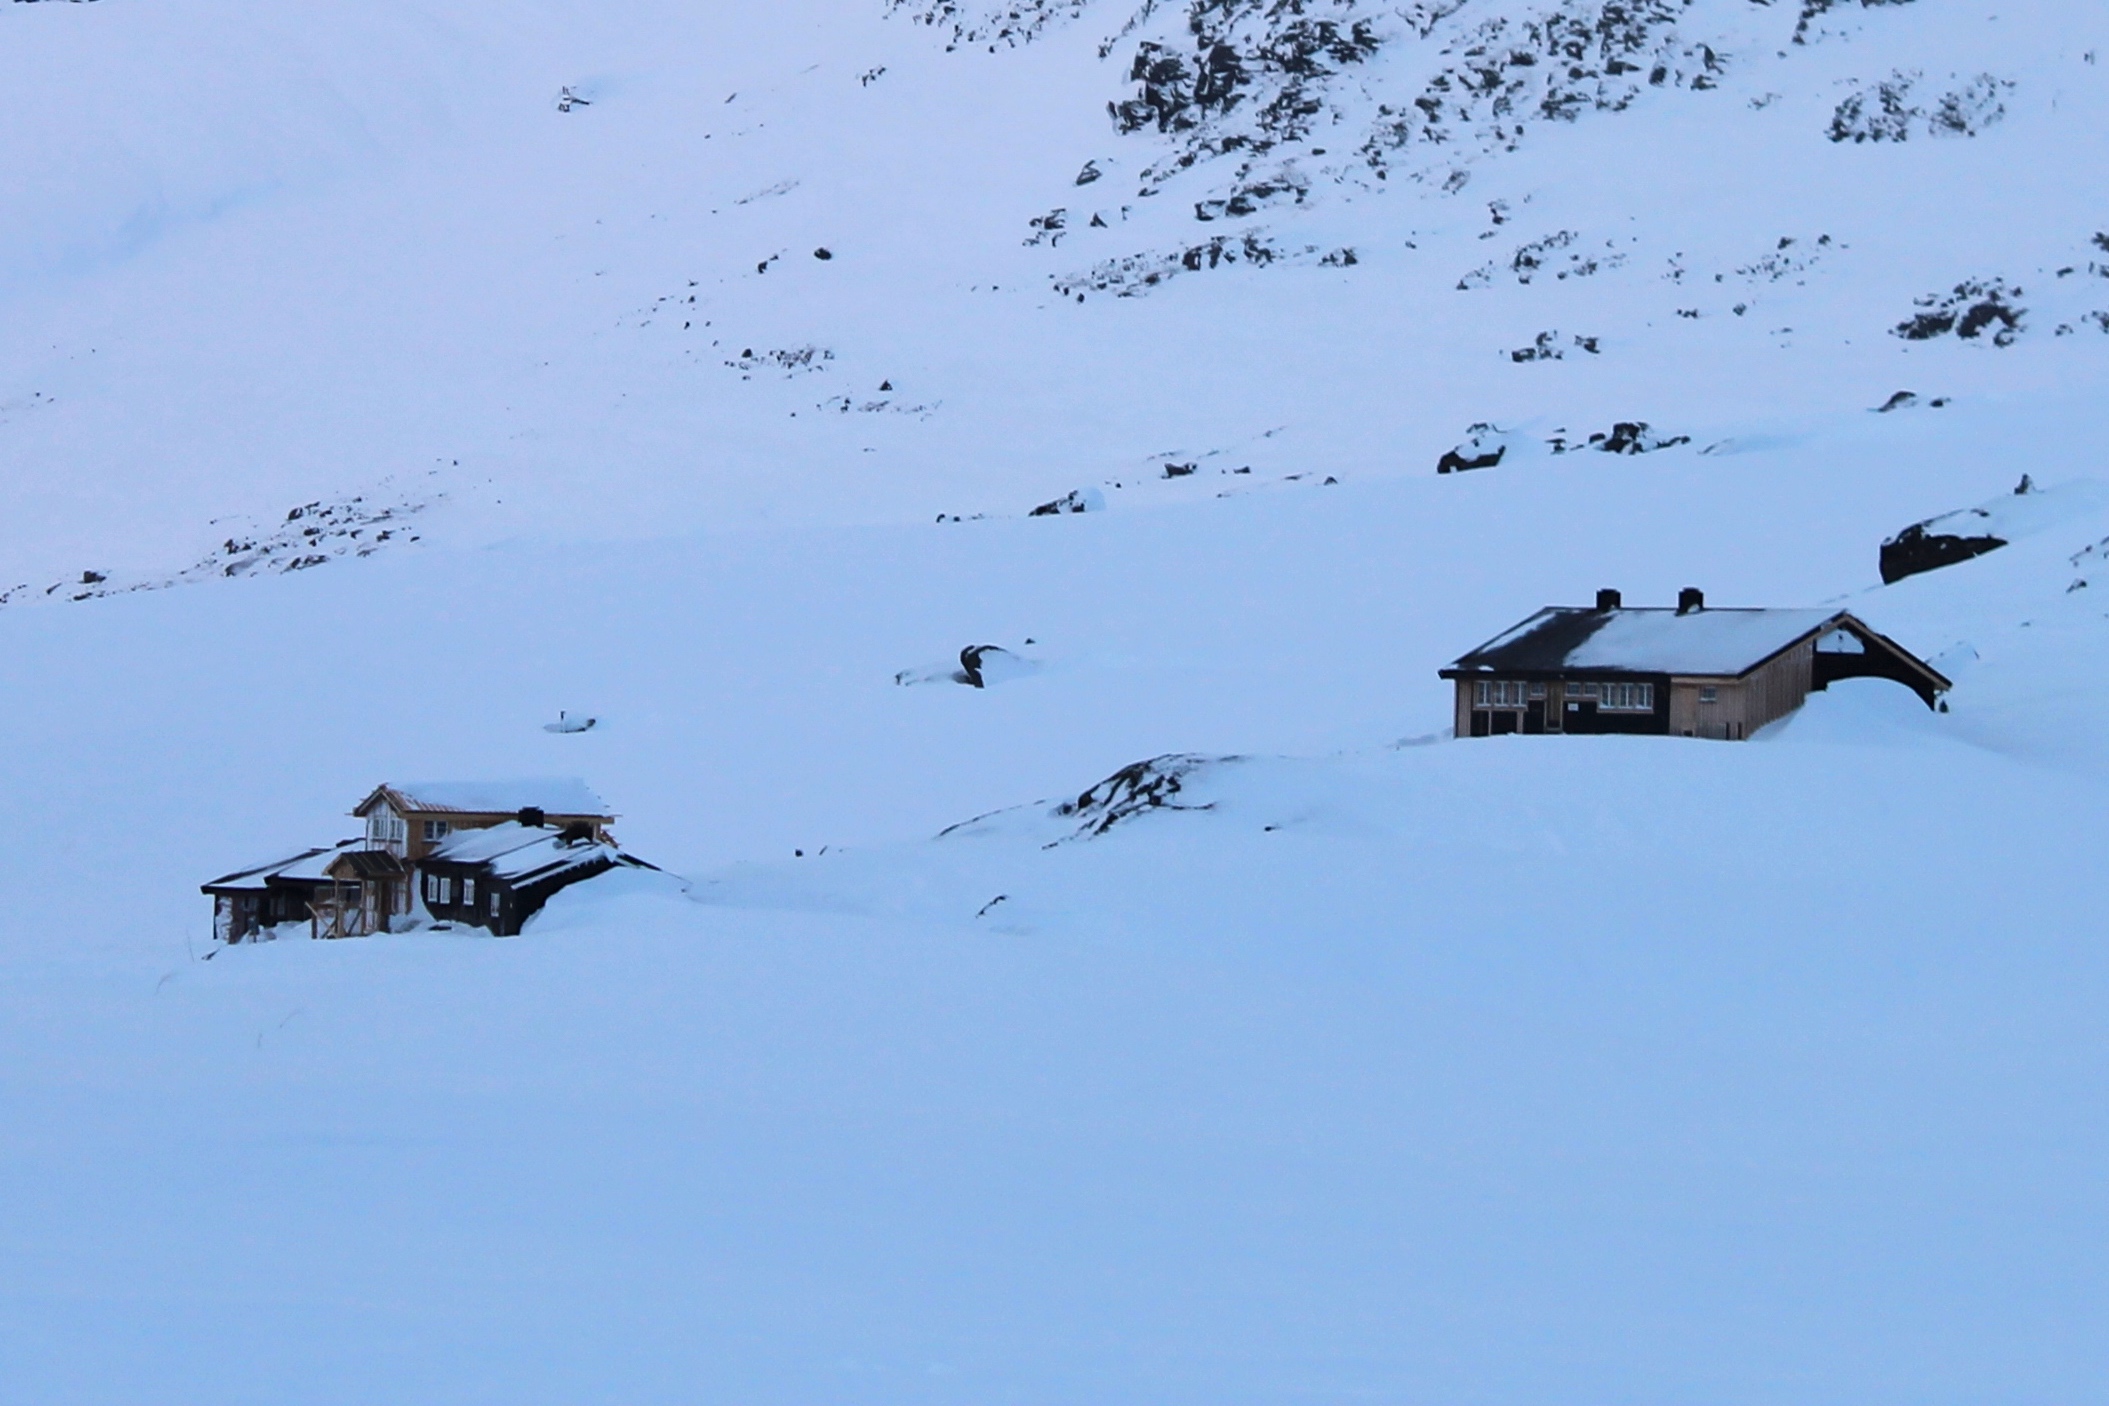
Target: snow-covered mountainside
1003, 477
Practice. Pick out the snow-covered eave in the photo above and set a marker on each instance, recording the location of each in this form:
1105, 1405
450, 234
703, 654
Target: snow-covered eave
406, 803
1843, 619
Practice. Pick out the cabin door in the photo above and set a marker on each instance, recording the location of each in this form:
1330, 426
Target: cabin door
1534, 717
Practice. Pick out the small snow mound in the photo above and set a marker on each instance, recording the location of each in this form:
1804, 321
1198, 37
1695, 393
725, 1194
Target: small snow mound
1859, 713
623, 898
979, 666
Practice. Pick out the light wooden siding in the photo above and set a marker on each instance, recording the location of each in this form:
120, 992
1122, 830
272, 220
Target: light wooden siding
1684, 708
1464, 707
1779, 687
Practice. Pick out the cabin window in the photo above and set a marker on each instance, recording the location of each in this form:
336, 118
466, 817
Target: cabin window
468, 893
436, 830
1709, 695
384, 826
1627, 697
1502, 693
431, 888
439, 888
494, 903
1578, 691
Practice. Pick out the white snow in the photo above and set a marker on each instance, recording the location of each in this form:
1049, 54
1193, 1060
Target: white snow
563, 795
1364, 1064
1708, 641
513, 849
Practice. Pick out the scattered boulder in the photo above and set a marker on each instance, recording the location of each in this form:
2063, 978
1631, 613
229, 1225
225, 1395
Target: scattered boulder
1624, 437
1077, 500
1971, 532
1484, 446
980, 666
1922, 547
1970, 310
983, 664
1135, 789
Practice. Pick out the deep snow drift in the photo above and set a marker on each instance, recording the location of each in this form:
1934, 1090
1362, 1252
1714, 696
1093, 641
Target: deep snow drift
1180, 1015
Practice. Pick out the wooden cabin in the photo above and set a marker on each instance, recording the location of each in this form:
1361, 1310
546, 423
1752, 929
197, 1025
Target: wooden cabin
1692, 671
487, 853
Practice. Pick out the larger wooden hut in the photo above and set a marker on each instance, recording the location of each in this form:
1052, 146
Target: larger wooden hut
1688, 672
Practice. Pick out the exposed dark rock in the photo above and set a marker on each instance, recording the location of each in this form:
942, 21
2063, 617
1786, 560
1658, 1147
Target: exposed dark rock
1812, 9
1624, 437
1969, 311
1136, 274
791, 361
1078, 500
1134, 790
1483, 448
1915, 550
1544, 347
1890, 110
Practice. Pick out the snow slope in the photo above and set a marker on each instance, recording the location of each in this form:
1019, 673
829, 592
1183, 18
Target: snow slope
1327, 1058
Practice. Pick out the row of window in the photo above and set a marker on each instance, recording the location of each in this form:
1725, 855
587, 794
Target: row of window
1611, 697
385, 827
439, 889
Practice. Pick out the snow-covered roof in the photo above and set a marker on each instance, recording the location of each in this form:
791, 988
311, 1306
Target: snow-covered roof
1723, 643
517, 852
557, 795
306, 866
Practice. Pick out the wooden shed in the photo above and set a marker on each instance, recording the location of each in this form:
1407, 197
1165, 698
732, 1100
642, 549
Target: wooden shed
1690, 671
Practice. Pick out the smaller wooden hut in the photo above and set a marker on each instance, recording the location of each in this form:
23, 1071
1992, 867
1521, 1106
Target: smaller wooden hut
253, 903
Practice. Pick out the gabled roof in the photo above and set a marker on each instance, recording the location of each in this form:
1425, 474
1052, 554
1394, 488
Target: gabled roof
304, 867
559, 795
369, 864
1703, 642
1719, 643
523, 854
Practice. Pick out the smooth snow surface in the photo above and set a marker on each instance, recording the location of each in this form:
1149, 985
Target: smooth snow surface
362, 409
554, 795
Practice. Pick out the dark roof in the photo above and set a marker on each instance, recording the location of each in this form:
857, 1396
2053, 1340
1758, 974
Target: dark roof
1561, 641
1713, 643
302, 868
372, 864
